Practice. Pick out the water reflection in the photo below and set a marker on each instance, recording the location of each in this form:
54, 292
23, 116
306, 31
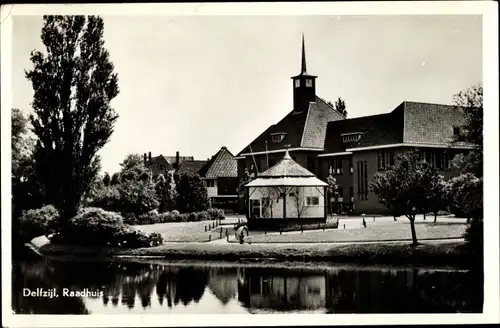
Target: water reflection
167, 288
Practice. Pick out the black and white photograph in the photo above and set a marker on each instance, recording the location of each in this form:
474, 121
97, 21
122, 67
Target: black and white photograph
335, 161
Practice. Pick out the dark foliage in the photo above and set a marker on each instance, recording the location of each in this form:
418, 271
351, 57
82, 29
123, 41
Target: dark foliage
73, 83
97, 227
191, 194
37, 222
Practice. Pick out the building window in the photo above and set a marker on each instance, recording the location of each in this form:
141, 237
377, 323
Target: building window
390, 158
255, 207
336, 167
210, 183
362, 168
385, 160
311, 165
440, 160
351, 193
277, 137
312, 200
351, 137
351, 169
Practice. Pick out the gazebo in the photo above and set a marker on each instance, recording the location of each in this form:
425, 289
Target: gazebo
286, 193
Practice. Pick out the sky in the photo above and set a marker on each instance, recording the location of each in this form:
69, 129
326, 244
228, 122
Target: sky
195, 84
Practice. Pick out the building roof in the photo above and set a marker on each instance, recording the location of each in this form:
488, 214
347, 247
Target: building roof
286, 172
431, 123
410, 122
190, 167
306, 129
286, 167
221, 165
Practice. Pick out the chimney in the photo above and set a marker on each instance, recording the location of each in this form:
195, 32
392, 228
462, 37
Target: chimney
149, 157
177, 160
145, 159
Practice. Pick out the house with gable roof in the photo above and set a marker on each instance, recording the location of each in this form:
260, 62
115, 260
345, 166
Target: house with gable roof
220, 176
162, 164
324, 141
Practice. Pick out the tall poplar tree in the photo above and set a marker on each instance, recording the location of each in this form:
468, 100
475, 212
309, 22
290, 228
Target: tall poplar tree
73, 82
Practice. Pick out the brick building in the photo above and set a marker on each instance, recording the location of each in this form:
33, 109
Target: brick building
162, 164
323, 140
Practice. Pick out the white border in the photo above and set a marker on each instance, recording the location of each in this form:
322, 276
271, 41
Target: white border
490, 73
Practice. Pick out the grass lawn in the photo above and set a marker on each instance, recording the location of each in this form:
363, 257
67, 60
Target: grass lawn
426, 254
183, 231
395, 231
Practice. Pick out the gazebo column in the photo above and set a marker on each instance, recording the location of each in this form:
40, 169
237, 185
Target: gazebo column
284, 203
326, 202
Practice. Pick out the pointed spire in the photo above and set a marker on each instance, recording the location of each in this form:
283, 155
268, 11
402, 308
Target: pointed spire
287, 155
304, 69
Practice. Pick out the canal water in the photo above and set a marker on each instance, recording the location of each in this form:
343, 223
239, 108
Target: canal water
188, 288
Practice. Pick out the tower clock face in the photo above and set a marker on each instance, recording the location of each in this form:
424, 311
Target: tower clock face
297, 83
309, 83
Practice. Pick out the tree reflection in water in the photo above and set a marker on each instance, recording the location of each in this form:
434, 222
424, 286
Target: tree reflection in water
333, 290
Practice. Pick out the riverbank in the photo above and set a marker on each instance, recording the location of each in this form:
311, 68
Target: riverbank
441, 253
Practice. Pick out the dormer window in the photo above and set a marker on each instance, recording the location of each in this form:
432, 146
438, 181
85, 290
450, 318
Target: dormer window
277, 137
351, 137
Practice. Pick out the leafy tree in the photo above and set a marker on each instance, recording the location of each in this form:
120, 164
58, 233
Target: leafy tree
115, 179
467, 189
106, 180
332, 189
133, 169
242, 191
471, 102
437, 195
162, 192
171, 191
340, 106
26, 191
73, 83
131, 191
467, 195
191, 194
403, 188
137, 197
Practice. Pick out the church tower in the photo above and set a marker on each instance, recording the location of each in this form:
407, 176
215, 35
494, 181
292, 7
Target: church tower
304, 86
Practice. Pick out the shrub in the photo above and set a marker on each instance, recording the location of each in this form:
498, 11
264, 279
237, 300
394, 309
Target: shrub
215, 214
474, 235
203, 216
97, 227
153, 217
38, 222
164, 217
150, 217
192, 217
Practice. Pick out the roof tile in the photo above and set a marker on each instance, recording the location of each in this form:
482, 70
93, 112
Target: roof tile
221, 165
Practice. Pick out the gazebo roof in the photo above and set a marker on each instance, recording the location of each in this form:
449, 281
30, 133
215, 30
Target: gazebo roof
286, 167
286, 172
